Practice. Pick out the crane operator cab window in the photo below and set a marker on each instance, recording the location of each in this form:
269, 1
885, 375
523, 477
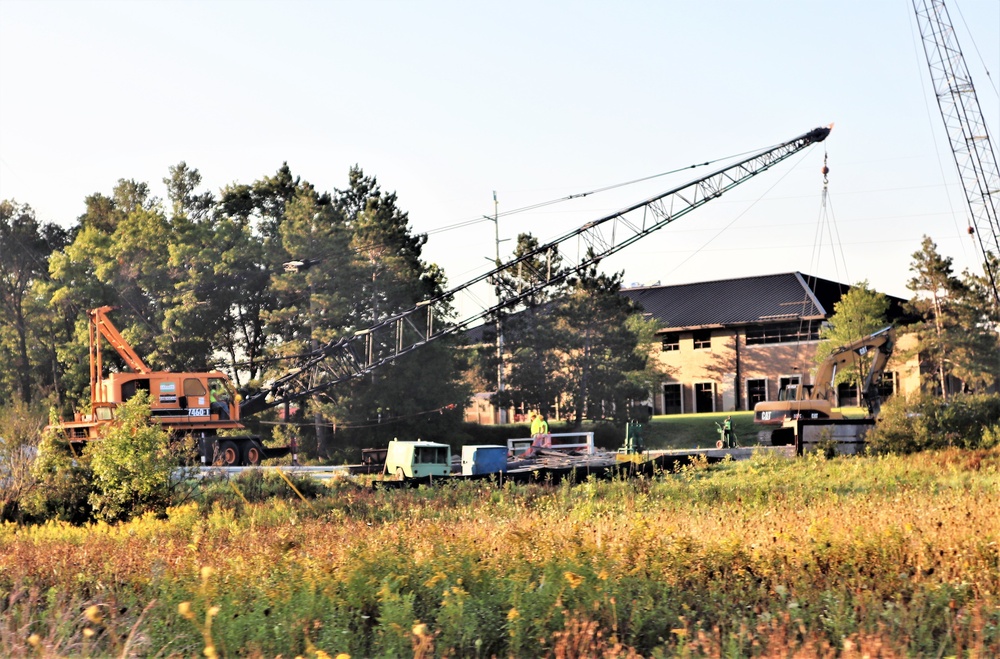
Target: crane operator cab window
219, 396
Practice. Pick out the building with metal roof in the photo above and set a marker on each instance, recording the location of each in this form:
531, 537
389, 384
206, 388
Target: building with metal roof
726, 345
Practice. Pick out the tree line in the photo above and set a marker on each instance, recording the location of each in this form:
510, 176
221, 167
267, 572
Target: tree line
197, 283
952, 316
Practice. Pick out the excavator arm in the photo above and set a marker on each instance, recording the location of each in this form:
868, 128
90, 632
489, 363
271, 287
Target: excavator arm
881, 343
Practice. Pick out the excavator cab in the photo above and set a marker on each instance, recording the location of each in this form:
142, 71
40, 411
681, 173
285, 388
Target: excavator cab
220, 396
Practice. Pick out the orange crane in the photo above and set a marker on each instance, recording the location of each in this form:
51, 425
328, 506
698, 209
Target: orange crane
182, 401
198, 404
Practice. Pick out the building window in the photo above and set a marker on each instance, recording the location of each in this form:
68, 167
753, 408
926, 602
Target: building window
805, 330
704, 397
671, 342
887, 386
756, 392
847, 394
702, 339
672, 402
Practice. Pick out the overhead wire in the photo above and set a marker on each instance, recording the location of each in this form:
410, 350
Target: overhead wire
578, 195
975, 47
738, 217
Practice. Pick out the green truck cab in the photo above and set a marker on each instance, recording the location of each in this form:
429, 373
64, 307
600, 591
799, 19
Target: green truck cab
419, 459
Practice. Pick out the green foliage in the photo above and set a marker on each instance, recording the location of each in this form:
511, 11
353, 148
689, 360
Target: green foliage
255, 486
65, 483
581, 347
859, 313
925, 422
20, 433
958, 337
133, 464
886, 555
28, 329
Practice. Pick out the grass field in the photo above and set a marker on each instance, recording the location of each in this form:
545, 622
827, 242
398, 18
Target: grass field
852, 557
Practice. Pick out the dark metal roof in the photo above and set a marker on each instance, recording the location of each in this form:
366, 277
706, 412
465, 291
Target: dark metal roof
786, 297
747, 300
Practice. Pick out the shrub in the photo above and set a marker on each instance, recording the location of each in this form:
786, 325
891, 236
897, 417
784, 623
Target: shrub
64, 483
927, 422
256, 486
133, 464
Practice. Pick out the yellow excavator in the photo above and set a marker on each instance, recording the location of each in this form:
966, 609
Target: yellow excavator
816, 401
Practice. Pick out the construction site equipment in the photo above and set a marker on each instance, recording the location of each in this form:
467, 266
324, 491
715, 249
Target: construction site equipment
816, 401
968, 136
577, 442
484, 459
417, 459
198, 404
183, 401
372, 347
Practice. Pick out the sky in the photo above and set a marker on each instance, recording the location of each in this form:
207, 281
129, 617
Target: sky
446, 103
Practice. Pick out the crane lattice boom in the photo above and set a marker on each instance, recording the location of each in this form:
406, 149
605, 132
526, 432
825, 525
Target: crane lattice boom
967, 133
364, 351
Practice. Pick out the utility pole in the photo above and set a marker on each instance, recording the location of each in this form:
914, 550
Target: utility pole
501, 408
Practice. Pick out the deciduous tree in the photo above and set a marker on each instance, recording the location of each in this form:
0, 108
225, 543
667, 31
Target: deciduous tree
25, 246
861, 311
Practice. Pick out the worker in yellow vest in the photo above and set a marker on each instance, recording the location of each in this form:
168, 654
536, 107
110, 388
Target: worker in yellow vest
536, 424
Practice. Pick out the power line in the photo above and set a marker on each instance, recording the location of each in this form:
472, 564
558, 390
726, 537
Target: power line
578, 195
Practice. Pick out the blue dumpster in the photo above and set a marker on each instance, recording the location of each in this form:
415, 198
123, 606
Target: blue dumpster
484, 459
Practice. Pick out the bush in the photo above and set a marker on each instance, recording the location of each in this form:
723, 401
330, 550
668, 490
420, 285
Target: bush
927, 422
255, 486
133, 464
64, 483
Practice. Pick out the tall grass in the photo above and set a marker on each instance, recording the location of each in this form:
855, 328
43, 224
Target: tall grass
887, 556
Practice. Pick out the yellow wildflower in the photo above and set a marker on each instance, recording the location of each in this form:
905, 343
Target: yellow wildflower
184, 608
93, 614
574, 580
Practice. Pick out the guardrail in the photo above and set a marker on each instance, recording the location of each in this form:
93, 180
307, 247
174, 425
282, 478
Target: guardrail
555, 442
322, 473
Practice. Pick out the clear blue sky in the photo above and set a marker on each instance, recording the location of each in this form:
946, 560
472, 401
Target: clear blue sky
446, 102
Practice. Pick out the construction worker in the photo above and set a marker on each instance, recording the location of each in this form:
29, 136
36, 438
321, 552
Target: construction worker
539, 434
536, 424
727, 433
216, 399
